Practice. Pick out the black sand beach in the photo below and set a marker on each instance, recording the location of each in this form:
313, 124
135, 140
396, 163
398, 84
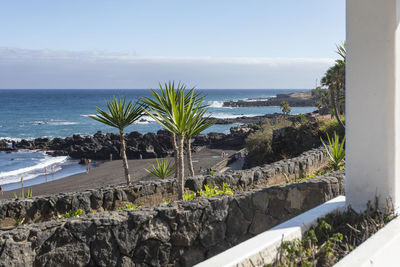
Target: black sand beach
111, 173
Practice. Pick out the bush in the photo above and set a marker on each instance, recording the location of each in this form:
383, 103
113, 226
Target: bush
130, 206
70, 214
209, 191
330, 126
335, 236
258, 144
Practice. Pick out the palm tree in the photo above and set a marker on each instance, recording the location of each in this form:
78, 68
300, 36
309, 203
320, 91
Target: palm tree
162, 104
334, 80
285, 107
176, 112
199, 124
120, 115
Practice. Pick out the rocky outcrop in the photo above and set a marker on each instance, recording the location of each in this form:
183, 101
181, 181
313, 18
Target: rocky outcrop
100, 146
294, 100
178, 234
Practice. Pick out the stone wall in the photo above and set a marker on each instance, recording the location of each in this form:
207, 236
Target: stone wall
181, 233
43, 208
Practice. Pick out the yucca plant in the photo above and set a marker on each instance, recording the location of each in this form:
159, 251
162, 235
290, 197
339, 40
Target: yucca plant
335, 151
176, 111
163, 103
162, 169
120, 115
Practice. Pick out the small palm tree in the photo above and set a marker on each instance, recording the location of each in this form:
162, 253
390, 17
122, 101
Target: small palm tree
176, 114
198, 124
162, 103
120, 115
162, 169
286, 109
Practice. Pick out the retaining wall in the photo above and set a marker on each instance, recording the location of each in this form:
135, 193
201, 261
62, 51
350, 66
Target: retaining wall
43, 208
181, 233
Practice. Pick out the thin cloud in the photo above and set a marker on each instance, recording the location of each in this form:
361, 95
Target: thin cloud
25, 68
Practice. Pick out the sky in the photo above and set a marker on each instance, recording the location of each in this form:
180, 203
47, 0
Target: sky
136, 44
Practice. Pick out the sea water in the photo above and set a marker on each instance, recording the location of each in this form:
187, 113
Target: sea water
29, 114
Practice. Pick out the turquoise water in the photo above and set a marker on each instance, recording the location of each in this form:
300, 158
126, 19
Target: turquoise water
28, 114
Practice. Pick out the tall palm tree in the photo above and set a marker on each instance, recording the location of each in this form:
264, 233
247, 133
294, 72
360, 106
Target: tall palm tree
162, 104
199, 124
120, 115
334, 80
176, 111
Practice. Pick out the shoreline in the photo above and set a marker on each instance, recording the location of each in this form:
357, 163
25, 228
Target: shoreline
111, 173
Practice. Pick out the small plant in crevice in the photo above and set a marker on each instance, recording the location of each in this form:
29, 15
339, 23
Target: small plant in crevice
19, 220
211, 172
215, 191
130, 206
162, 169
189, 195
335, 151
209, 191
70, 214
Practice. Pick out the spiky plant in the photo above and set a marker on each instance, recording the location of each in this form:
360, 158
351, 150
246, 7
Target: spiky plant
162, 169
175, 110
335, 151
120, 114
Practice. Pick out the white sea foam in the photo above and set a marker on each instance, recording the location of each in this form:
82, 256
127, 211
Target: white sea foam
145, 120
55, 122
10, 138
216, 104
32, 171
255, 99
230, 116
87, 115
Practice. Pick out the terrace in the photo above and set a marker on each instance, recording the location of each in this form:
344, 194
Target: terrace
373, 142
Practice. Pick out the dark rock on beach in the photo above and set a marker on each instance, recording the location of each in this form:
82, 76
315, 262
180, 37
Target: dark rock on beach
103, 146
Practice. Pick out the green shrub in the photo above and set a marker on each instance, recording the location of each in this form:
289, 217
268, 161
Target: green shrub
330, 126
258, 144
20, 220
70, 214
211, 172
209, 191
189, 195
303, 119
22, 193
130, 206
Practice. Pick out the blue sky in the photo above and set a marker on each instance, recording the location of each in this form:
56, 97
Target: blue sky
135, 44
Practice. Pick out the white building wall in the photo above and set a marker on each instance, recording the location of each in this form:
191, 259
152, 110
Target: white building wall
372, 102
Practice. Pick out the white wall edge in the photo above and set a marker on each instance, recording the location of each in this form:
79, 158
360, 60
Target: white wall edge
262, 248
381, 249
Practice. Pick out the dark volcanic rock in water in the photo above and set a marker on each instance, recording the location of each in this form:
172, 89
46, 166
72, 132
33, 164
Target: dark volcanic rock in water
304, 99
101, 146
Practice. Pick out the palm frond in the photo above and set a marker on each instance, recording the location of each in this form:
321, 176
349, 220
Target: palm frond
119, 113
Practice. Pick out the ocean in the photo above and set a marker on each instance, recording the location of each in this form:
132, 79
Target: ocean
29, 114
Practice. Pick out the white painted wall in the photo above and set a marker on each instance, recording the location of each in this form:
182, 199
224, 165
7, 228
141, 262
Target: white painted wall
372, 102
